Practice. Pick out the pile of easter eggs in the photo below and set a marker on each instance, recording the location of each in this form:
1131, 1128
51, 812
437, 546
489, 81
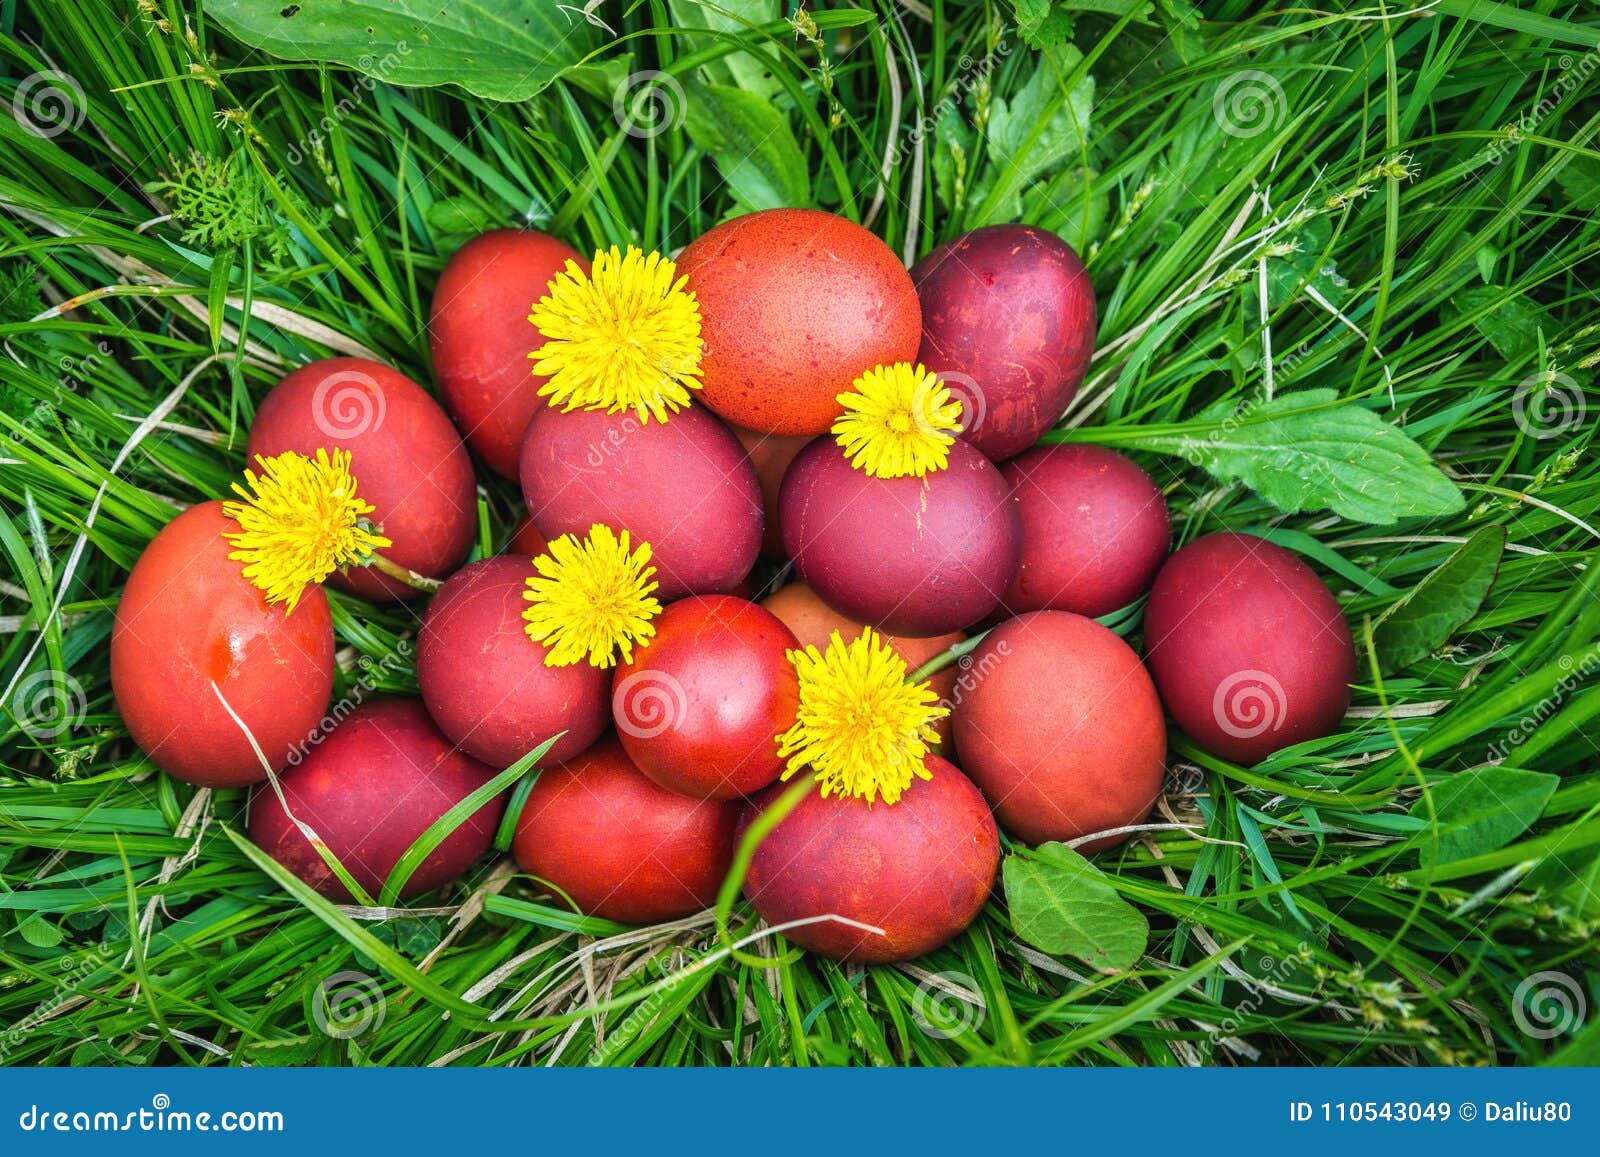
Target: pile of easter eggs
796, 570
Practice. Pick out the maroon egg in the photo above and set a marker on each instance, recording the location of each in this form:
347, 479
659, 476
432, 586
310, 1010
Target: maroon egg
481, 337
683, 486
190, 628
368, 790
1060, 726
1095, 530
700, 707
406, 457
1249, 650
485, 681
619, 845
915, 556
919, 869
1008, 320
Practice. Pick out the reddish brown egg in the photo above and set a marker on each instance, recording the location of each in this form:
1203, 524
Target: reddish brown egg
683, 486
795, 304
190, 627
621, 846
1095, 530
770, 454
701, 704
814, 622
915, 556
481, 337
1061, 728
485, 682
368, 790
1249, 650
1008, 320
918, 871
406, 457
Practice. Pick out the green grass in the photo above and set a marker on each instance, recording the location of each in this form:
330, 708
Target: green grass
1416, 256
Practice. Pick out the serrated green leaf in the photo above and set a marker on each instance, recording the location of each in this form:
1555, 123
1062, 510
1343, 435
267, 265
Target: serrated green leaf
1436, 607
1482, 810
500, 49
752, 144
1061, 903
1039, 129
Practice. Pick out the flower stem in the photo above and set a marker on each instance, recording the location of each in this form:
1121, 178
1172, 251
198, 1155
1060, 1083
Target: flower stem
944, 658
399, 573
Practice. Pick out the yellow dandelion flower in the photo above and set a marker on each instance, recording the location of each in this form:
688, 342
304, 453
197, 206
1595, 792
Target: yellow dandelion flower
899, 422
625, 336
861, 727
299, 521
591, 598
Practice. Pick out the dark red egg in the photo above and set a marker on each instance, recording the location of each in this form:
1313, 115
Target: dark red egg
700, 707
406, 457
1250, 651
481, 337
1008, 320
795, 304
190, 627
683, 486
918, 870
485, 682
770, 454
620, 845
1095, 530
814, 622
915, 556
374, 784
1060, 726
526, 539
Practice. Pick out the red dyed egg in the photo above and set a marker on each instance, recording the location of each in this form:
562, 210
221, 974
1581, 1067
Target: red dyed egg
814, 622
919, 870
620, 845
770, 454
915, 556
526, 539
377, 781
795, 304
1095, 530
1249, 650
485, 681
683, 486
481, 337
406, 457
700, 707
1008, 320
1061, 728
188, 626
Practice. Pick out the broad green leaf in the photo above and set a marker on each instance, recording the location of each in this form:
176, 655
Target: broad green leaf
1482, 810
1061, 903
39, 932
742, 70
1048, 23
751, 143
1512, 324
1309, 451
500, 49
1039, 129
1436, 607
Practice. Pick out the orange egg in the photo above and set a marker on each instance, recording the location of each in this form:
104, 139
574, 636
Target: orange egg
795, 304
770, 454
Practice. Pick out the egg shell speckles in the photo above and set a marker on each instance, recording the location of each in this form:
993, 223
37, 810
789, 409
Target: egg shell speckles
189, 626
374, 784
920, 869
795, 304
914, 556
485, 682
1008, 319
406, 457
481, 337
683, 486
1249, 649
